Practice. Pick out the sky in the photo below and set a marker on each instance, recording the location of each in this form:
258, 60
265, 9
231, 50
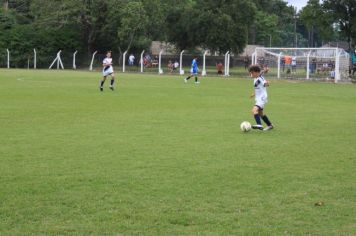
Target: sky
297, 3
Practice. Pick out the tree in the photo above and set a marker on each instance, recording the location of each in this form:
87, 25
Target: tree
266, 27
218, 25
85, 16
180, 29
317, 22
273, 18
343, 12
132, 26
223, 25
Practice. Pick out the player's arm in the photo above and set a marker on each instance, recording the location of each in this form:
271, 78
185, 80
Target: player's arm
264, 71
266, 83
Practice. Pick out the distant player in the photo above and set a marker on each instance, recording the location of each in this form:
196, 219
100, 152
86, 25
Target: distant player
193, 71
288, 62
294, 64
107, 70
131, 60
260, 94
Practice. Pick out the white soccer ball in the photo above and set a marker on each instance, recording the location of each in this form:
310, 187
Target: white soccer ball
245, 126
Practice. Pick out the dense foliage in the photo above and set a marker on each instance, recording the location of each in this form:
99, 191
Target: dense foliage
119, 25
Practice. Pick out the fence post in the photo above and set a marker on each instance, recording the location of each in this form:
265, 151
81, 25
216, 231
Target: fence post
308, 64
226, 64
74, 65
181, 71
337, 66
203, 73
279, 65
141, 59
34, 59
58, 60
92, 61
124, 61
8, 58
160, 71
253, 57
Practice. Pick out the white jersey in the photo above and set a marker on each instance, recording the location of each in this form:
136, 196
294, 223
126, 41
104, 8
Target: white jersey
260, 91
107, 60
107, 70
294, 61
131, 58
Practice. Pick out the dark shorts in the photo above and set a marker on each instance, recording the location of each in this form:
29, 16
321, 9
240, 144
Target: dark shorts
259, 108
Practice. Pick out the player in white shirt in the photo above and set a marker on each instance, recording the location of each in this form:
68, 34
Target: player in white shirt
131, 60
107, 70
294, 64
260, 93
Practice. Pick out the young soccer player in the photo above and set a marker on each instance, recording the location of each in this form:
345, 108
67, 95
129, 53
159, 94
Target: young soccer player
107, 70
260, 95
193, 71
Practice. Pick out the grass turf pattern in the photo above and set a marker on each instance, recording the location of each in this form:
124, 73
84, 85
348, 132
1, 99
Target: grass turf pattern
160, 157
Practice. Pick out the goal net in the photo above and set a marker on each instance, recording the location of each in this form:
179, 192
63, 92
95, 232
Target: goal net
304, 63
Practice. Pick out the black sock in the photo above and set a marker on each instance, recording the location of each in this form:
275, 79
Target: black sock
102, 83
196, 79
258, 119
266, 120
112, 82
187, 78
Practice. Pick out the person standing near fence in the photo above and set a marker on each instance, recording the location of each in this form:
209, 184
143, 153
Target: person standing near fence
246, 62
193, 71
131, 60
107, 70
294, 64
219, 68
353, 62
283, 63
288, 62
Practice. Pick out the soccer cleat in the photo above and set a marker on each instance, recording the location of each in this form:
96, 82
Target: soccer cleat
268, 128
101, 89
197, 82
260, 127
185, 80
112, 88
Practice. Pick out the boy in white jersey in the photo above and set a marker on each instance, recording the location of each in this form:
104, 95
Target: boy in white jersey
260, 95
107, 70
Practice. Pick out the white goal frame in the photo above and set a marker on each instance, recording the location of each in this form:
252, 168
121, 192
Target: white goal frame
337, 55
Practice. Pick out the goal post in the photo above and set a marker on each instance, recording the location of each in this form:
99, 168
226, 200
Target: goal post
304, 63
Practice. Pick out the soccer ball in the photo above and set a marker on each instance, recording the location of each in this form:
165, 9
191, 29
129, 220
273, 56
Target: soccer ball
245, 126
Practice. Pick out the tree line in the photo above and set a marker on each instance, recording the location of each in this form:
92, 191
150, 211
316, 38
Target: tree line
217, 25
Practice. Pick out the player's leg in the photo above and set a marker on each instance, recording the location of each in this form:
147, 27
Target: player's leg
266, 120
102, 83
186, 79
112, 81
256, 114
196, 79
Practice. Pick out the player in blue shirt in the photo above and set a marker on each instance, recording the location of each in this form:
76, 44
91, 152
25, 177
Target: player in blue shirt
193, 71
353, 60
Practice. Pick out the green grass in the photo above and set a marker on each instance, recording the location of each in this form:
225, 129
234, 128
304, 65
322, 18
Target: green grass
160, 157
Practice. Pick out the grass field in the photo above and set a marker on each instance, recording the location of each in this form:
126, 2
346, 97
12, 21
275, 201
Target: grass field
160, 157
